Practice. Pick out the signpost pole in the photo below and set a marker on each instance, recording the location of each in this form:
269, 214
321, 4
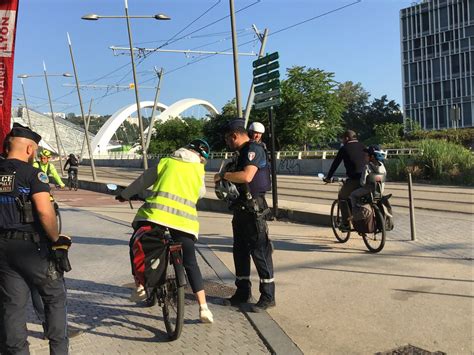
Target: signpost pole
273, 164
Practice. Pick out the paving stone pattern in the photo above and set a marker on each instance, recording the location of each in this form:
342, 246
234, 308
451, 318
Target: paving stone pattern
98, 291
449, 234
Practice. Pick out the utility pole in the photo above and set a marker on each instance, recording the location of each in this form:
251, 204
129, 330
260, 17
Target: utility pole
263, 41
86, 132
86, 127
236, 59
152, 119
137, 98
54, 121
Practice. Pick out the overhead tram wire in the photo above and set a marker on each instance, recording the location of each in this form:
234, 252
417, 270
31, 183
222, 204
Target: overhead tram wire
271, 34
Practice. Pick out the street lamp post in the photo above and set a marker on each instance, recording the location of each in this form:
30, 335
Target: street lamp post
46, 75
95, 17
26, 104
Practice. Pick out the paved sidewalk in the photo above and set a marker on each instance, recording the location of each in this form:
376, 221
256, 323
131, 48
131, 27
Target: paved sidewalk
98, 291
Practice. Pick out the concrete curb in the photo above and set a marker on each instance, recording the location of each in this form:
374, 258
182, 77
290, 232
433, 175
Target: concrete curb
277, 341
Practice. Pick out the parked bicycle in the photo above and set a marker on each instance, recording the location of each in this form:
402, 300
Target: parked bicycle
72, 179
169, 293
382, 222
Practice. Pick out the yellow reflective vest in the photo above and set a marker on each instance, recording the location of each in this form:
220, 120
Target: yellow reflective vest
174, 196
49, 170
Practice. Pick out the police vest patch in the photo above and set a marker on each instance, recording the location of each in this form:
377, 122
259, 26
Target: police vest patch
7, 183
251, 155
43, 177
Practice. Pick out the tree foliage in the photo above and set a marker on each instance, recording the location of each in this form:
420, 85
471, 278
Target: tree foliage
310, 113
175, 133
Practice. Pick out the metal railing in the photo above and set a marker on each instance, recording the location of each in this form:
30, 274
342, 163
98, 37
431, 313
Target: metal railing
310, 154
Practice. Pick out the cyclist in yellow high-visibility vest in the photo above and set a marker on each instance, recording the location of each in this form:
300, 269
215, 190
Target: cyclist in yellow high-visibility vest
178, 183
48, 168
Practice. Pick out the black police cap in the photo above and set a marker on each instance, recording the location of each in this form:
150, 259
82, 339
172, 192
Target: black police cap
25, 132
234, 125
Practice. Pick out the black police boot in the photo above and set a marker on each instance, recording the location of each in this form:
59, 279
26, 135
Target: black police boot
262, 305
238, 298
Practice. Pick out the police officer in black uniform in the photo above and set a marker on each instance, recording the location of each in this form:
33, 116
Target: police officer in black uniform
249, 225
32, 254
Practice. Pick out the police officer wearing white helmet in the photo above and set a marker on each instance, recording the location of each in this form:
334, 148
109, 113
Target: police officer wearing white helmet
256, 131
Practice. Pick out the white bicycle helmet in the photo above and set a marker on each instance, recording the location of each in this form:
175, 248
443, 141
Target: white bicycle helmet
257, 127
227, 191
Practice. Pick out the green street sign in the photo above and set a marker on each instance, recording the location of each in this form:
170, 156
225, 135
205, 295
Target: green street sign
274, 84
267, 77
265, 104
264, 60
266, 95
265, 69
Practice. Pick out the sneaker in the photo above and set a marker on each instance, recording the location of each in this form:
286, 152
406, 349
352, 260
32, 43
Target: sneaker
236, 300
205, 315
139, 294
262, 305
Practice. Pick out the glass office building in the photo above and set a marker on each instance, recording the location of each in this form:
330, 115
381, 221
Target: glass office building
437, 53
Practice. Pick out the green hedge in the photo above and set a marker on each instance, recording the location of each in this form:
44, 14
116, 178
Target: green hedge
440, 162
463, 136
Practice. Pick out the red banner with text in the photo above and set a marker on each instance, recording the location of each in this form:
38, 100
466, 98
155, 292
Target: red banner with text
8, 16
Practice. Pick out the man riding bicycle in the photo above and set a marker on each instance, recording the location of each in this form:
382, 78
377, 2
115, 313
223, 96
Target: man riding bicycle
46, 167
353, 155
73, 163
178, 182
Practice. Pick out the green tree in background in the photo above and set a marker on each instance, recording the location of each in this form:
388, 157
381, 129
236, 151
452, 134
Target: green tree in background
175, 133
356, 101
310, 113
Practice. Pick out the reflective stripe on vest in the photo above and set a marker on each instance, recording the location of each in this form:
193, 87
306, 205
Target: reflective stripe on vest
174, 196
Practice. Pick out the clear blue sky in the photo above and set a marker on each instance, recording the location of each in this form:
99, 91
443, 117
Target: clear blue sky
360, 43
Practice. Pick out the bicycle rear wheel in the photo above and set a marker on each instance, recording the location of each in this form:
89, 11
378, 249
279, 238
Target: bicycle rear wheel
376, 241
69, 182
76, 182
173, 305
336, 222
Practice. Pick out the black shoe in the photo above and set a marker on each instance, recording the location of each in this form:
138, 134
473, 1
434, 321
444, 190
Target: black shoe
344, 228
236, 300
262, 305
151, 300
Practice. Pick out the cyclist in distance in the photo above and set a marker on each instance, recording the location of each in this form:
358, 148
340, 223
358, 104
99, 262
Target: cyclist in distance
354, 158
178, 182
46, 167
73, 164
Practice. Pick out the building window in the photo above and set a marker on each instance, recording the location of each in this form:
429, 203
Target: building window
442, 117
429, 117
436, 69
469, 31
437, 91
413, 72
455, 64
443, 16
425, 22
418, 94
467, 114
446, 89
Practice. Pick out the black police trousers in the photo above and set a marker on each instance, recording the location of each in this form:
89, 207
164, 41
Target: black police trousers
24, 264
251, 240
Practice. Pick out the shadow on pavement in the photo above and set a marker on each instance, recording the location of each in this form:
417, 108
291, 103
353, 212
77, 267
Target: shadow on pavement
98, 241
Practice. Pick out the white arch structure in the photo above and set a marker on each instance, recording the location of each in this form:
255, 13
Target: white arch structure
102, 139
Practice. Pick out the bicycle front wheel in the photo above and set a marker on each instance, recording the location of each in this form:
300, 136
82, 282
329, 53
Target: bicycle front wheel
58, 217
173, 305
336, 222
376, 241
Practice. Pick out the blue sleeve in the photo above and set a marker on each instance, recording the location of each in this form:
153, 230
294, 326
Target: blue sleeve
255, 155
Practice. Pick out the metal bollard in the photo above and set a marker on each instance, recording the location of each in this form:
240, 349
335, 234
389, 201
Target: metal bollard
412, 208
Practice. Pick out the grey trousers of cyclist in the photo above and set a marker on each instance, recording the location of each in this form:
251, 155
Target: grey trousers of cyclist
344, 193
